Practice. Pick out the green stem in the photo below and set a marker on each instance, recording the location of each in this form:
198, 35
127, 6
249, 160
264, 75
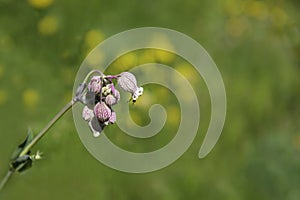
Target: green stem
92, 72
37, 138
49, 125
45, 129
6, 178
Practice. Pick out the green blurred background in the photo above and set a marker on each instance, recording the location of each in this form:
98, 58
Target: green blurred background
256, 45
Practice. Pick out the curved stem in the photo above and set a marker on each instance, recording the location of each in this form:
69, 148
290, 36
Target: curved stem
92, 72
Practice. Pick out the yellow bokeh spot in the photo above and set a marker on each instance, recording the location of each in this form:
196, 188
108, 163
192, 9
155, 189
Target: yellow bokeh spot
188, 72
257, 9
148, 56
279, 16
3, 97
162, 95
30, 97
93, 38
129, 60
164, 56
39, 4
125, 62
236, 26
136, 117
48, 25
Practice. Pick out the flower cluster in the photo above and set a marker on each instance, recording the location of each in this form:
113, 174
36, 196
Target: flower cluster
101, 96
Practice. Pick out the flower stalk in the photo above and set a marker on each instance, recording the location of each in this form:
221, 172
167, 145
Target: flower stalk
47, 127
34, 141
98, 96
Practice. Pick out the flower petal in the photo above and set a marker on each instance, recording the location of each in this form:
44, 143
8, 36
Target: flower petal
95, 84
110, 100
102, 111
96, 126
117, 95
87, 114
113, 118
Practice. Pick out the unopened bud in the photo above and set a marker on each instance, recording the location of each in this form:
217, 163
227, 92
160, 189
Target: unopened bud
102, 111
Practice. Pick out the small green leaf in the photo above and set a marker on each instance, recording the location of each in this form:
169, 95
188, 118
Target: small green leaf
29, 137
21, 146
21, 163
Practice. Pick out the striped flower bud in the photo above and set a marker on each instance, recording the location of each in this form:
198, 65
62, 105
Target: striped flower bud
127, 82
102, 111
95, 84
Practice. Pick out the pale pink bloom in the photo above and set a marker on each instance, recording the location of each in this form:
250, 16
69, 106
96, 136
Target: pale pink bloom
87, 114
102, 111
95, 84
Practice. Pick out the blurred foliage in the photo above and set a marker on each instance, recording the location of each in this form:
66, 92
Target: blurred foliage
256, 45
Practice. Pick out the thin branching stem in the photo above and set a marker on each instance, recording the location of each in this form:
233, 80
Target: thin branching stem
37, 138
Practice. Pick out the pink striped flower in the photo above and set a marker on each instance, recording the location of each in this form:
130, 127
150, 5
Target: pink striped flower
87, 114
127, 82
102, 111
95, 84
113, 118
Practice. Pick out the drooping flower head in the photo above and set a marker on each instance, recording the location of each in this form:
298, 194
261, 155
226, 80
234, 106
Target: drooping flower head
127, 82
100, 95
